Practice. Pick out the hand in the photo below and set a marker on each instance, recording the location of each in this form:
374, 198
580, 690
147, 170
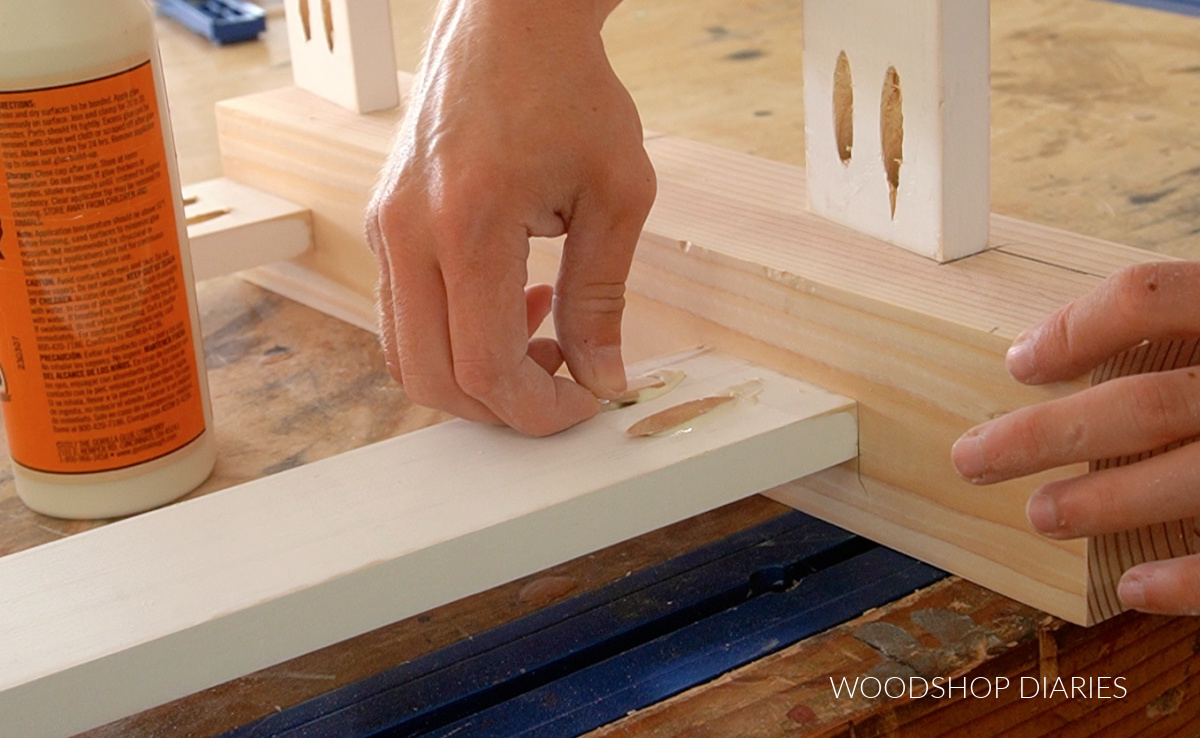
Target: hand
1124, 416
516, 127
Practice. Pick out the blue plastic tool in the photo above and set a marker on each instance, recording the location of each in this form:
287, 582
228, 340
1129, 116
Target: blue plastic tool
220, 21
589, 660
1186, 7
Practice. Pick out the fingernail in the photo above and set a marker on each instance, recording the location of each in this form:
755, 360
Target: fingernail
609, 371
1132, 591
1020, 360
1042, 512
968, 458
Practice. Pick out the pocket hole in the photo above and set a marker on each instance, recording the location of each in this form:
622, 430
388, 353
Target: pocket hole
305, 21
891, 129
327, 14
843, 108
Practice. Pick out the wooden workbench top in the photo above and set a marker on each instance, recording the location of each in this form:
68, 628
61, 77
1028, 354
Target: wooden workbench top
1095, 129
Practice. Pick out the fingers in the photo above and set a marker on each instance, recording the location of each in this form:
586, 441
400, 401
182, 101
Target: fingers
420, 337
488, 364
545, 352
422, 342
1138, 303
493, 360
471, 188
1170, 587
415, 329
590, 295
385, 306
1122, 417
1119, 498
539, 299
422, 349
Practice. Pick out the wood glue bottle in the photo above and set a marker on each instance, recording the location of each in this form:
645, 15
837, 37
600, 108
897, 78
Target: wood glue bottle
102, 379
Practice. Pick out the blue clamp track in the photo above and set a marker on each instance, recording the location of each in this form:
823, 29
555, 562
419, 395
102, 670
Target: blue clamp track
592, 659
220, 21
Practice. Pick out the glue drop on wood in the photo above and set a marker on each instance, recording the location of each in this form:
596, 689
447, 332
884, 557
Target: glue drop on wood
102, 380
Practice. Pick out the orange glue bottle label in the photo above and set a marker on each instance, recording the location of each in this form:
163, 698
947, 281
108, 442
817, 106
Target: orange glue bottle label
97, 364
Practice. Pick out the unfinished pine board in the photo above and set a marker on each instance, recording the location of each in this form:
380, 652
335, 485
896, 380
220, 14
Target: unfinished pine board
232, 227
342, 50
897, 120
318, 292
151, 608
920, 346
731, 257
337, 177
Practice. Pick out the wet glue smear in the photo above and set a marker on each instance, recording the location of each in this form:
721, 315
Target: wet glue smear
647, 387
102, 381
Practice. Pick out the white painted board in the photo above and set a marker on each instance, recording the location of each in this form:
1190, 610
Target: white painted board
116, 620
939, 51
342, 50
242, 227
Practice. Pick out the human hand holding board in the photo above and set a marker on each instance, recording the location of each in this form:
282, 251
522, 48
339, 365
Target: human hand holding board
1128, 416
498, 146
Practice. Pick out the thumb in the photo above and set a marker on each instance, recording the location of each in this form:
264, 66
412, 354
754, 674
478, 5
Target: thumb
590, 295
1144, 302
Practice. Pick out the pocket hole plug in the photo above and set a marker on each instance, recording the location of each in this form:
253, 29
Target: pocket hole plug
327, 14
891, 129
843, 108
305, 20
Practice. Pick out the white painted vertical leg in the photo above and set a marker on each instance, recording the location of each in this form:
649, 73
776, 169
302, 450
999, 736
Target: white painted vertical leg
342, 50
897, 146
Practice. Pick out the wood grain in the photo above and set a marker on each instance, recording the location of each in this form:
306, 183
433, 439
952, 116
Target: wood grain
1112, 554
